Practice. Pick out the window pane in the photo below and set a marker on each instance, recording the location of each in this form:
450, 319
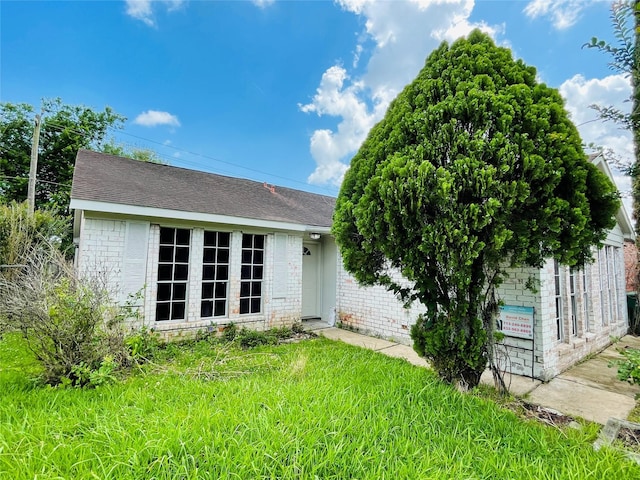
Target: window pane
258, 257
210, 239
164, 272
208, 272
223, 255
167, 236
221, 290
245, 272
206, 308
208, 255
207, 290
220, 310
246, 256
162, 311
244, 305
246, 241
164, 292
222, 272
255, 305
177, 311
245, 289
182, 254
166, 254
257, 273
179, 291
256, 289
223, 239
182, 236
258, 241
181, 272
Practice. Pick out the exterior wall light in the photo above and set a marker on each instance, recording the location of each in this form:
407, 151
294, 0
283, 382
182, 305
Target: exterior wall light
314, 236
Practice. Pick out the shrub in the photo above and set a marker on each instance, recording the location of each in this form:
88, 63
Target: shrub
629, 368
252, 338
69, 323
142, 344
22, 232
229, 333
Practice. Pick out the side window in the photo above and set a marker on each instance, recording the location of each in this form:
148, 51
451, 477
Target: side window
251, 273
173, 273
215, 274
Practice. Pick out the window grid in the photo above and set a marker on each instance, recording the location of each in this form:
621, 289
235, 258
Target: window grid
173, 273
251, 273
585, 297
608, 256
558, 299
616, 285
602, 269
215, 274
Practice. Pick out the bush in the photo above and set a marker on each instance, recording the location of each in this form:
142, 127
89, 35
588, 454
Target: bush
629, 368
247, 338
142, 344
22, 232
69, 323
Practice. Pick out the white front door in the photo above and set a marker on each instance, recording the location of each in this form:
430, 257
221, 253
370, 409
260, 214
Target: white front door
310, 282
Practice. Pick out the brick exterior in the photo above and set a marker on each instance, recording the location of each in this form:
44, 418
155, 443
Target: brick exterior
102, 249
600, 302
375, 311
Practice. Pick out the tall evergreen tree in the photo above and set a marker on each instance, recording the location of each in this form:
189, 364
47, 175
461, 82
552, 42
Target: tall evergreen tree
475, 168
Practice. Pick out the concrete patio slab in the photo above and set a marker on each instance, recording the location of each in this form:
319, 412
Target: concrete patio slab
572, 398
406, 352
517, 384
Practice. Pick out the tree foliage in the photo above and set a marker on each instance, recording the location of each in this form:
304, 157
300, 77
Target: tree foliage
474, 168
140, 154
64, 130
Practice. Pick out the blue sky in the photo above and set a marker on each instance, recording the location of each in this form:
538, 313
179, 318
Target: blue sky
277, 91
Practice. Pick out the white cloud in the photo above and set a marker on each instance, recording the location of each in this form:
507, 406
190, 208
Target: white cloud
263, 3
563, 13
153, 118
143, 9
613, 90
404, 33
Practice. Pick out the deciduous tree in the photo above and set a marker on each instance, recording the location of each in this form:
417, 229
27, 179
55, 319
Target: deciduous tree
475, 168
64, 130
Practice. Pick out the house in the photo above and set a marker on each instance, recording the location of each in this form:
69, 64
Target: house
205, 250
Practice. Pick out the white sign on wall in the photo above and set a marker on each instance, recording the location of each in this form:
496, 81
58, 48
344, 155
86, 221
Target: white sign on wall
515, 321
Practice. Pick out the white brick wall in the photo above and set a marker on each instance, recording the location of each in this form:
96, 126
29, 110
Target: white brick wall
101, 249
375, 311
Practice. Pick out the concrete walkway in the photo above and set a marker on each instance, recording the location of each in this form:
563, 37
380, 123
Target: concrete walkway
589, 390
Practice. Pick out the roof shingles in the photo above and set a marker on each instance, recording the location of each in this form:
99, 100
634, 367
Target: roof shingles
107, 178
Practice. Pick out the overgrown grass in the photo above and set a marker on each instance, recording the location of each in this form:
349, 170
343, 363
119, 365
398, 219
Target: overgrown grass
315, 409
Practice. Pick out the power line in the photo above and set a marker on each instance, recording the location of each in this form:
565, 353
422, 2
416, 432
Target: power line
182, 150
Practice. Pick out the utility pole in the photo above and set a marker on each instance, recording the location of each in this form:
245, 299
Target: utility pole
31, 192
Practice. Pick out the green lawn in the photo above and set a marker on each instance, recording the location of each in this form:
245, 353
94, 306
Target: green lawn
315, 409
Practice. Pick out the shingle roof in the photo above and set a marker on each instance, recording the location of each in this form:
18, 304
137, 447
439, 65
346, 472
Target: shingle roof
108, 178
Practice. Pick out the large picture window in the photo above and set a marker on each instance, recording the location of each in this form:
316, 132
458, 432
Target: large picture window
215, 274
173, 273
251, 273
